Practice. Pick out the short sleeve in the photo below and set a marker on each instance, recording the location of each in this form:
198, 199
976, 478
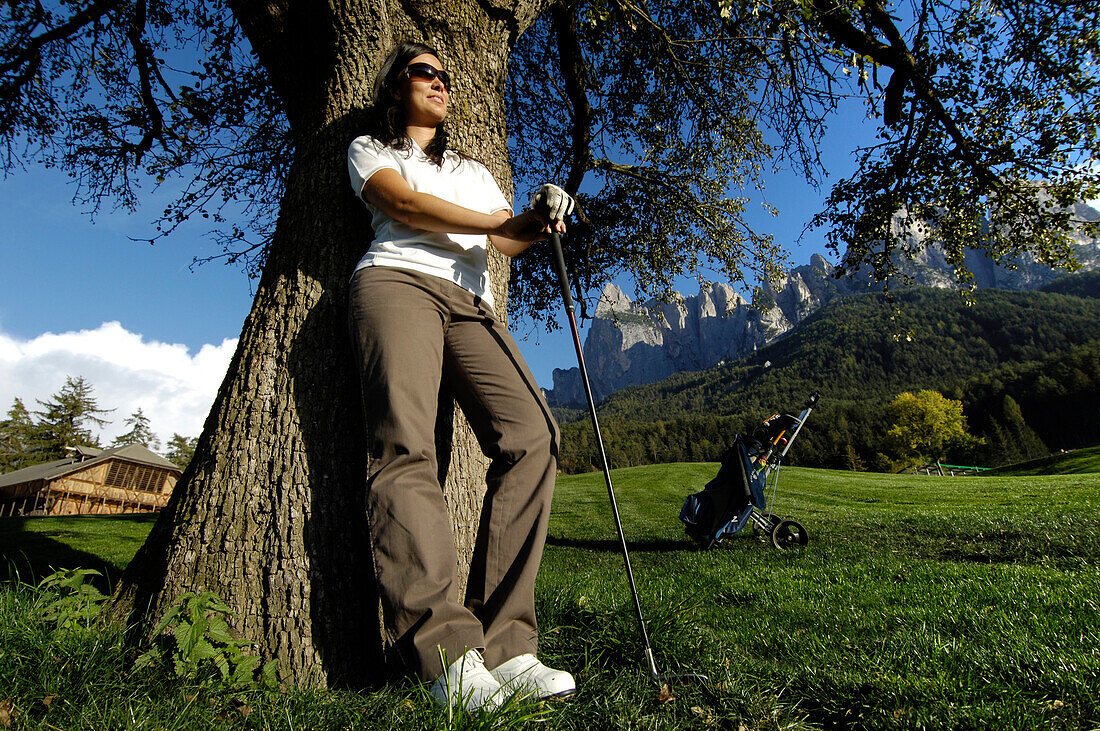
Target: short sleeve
496, 199
366, 156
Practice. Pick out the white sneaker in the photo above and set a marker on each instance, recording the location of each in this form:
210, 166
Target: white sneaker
527, 676
466, 684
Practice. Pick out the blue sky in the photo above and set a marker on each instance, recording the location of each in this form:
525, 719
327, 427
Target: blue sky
78, 296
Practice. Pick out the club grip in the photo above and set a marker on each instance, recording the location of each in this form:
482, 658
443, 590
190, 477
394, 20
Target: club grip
563, 277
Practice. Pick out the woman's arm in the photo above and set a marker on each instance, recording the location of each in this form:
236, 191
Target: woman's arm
392, 194
519, 232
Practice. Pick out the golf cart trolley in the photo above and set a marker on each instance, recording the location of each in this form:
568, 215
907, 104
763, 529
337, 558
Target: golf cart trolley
737, 494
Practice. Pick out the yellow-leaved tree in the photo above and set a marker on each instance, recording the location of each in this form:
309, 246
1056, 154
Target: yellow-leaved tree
925, 426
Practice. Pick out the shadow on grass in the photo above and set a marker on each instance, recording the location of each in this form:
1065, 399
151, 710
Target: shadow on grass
613, 546
28, 554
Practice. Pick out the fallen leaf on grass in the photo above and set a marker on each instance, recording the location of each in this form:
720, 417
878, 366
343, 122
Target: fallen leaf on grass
665, 695
242, 708
704, 714
8, 713
48, 700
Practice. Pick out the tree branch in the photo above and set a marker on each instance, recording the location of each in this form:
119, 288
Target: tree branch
665, 181
574, 73
32, 48
146, 66
21, 68
907, 70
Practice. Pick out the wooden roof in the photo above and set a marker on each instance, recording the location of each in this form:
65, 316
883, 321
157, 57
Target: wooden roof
87, 457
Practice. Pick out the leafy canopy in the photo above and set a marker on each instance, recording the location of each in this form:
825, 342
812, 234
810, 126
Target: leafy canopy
663, 116
130, 95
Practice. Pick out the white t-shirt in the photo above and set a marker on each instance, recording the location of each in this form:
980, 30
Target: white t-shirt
460, 258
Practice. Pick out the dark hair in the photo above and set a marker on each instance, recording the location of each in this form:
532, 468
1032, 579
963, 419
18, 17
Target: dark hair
387, 117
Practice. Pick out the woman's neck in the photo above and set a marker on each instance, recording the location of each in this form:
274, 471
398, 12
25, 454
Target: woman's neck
422, 136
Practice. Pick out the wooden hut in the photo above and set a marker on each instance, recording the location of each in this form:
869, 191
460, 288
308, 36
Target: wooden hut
129, 479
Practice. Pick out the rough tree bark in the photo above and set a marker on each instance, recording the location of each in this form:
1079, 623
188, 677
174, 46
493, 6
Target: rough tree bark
269, 513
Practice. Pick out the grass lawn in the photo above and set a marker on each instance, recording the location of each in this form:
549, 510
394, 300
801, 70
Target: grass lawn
1079, 460
920, 602
32, 548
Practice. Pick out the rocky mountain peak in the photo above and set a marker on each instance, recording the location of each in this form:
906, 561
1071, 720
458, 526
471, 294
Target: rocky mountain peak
612, 299
633, 343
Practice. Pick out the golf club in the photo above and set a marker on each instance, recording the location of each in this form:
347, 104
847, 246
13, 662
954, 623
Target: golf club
567, 297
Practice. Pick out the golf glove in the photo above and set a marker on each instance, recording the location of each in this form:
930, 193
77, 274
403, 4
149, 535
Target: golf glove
552, 202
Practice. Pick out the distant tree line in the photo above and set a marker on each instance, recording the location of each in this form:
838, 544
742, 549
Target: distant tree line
1024, 366
68, 419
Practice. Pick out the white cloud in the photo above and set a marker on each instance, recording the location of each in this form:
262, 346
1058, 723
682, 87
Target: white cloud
172, 387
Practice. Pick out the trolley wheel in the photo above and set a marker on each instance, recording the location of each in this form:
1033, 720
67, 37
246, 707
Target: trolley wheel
789, 533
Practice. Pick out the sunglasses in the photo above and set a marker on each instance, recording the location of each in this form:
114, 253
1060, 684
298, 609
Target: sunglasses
429, 73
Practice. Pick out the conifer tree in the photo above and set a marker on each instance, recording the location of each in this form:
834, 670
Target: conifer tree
1027, 442
140, 432
180, 449
18, 438
67, 418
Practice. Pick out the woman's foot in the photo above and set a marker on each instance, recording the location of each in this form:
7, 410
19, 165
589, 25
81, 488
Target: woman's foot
466, 684
526, 675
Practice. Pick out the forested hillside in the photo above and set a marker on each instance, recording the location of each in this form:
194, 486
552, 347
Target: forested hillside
1085, 284
1037, 349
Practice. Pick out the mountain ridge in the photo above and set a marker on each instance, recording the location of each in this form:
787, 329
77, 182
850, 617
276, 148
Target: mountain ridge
633, 343
859, 353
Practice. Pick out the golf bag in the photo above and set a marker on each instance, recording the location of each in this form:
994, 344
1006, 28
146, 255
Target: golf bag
737, 494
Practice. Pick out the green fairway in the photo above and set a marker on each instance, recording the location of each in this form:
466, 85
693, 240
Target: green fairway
920, 602
31, 548
1066, 463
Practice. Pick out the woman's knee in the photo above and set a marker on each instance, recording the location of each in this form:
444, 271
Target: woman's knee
537, 440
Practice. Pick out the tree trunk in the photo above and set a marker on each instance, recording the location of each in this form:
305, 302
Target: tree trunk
269, 515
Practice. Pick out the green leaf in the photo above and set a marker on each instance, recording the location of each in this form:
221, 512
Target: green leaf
223, 665
203, 650
187, 636
219, 631
150, 657
167, 619
246, 668
268, 675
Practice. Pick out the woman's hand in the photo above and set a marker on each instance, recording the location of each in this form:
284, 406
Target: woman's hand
552, 203
516, 233
529, 226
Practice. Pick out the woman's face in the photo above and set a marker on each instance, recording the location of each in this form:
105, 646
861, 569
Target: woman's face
425, 99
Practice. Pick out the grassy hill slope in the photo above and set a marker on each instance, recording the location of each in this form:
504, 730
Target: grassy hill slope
1067, 463
858, 352
920, 602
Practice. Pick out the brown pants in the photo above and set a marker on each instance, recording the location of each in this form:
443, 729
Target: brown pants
411, 330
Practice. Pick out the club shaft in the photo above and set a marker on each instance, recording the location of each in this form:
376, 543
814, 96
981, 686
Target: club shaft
567, 298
